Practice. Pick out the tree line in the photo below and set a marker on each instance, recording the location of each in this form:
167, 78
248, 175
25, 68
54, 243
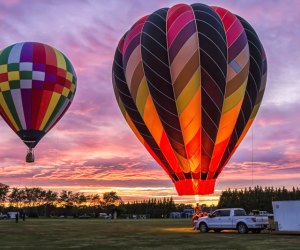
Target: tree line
153, 208
35, 202
257, 198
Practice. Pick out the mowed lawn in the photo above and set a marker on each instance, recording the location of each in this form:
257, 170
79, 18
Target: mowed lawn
130, 234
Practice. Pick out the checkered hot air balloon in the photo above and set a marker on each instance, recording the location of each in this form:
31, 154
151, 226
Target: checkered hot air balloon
37, 85
189, 81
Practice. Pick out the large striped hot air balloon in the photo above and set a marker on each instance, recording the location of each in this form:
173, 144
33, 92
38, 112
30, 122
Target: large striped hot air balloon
37, 85
189, 81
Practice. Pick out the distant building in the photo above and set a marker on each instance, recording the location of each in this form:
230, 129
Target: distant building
175, 215
187, 213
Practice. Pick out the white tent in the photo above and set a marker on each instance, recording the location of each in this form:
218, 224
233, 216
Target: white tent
287, 215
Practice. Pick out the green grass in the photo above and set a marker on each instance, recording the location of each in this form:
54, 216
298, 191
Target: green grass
130, 234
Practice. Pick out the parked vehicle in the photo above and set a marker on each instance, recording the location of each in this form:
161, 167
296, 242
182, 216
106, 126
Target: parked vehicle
105, 215
3, 216
231, 218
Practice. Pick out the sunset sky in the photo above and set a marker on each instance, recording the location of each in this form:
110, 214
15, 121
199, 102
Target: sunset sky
92, 149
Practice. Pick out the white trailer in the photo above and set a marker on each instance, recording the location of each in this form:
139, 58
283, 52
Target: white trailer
287, 215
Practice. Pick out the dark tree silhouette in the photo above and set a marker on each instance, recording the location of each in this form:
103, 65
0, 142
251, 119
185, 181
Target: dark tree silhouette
256, 198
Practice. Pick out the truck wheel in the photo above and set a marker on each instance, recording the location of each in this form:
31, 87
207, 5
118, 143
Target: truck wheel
203, 227
242, 228
256, 231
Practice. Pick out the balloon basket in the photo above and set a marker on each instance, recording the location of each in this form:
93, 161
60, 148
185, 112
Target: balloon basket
30, 156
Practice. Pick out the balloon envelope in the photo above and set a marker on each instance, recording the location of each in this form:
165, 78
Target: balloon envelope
189, 81
37, 85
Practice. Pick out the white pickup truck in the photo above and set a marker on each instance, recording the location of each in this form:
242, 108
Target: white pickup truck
231, 218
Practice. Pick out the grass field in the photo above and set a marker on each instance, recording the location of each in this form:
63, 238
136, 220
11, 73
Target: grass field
130, 234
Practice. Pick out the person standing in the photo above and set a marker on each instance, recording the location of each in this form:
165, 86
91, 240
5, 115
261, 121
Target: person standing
23, 216
115, 214
197, 214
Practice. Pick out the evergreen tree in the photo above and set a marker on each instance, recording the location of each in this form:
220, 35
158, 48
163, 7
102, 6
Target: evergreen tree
256, 198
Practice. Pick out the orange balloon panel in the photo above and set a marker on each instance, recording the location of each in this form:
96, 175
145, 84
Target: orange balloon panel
189, 80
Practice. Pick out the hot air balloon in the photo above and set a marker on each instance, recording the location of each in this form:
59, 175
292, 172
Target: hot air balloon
189, 81
37, 85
